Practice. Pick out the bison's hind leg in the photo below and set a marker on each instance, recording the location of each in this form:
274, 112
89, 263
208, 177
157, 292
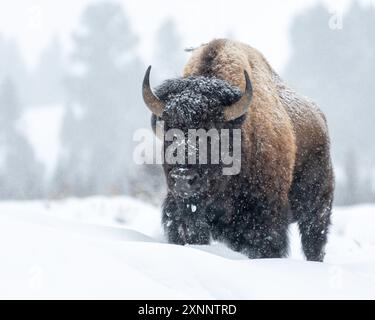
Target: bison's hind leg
311, 202
314, 231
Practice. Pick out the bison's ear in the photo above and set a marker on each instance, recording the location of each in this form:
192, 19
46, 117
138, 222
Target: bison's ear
152, 102
240, 107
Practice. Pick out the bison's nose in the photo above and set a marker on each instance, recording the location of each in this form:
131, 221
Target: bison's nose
186, 182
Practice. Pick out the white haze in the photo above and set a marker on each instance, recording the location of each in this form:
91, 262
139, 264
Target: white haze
33, 23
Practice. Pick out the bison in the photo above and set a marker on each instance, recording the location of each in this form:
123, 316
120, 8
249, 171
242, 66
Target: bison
286, 173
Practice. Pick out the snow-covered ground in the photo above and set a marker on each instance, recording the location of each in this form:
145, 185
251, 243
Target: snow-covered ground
114, 248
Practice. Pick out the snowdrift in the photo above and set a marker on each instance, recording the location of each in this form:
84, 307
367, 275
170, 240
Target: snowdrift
113, 248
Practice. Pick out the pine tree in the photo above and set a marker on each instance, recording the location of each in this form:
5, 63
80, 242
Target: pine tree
47, 78
105, 105
13, 65
21, 175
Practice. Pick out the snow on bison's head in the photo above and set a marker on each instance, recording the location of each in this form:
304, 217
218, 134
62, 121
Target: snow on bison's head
198, 119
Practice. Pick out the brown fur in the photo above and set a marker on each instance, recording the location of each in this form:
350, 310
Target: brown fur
267, 120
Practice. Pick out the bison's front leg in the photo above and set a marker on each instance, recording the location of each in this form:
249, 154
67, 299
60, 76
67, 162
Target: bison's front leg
258, 229
183, 223
267, 238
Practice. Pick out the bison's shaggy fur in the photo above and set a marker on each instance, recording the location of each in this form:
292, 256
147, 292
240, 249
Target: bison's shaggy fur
286, 173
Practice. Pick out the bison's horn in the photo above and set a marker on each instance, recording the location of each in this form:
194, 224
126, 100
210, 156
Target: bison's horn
152, 102
240, 107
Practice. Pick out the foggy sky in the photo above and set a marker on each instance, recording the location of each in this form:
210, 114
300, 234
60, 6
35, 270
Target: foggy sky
263, 24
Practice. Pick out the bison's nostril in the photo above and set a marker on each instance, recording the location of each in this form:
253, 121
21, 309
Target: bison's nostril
192, 180
185, 182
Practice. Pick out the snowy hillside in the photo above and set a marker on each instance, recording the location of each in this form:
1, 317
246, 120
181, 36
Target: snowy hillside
113, 248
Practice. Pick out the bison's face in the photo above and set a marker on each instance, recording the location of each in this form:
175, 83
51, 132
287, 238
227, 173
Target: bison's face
191, 115
188, 178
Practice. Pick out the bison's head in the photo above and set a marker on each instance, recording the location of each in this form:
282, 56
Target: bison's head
185, 105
